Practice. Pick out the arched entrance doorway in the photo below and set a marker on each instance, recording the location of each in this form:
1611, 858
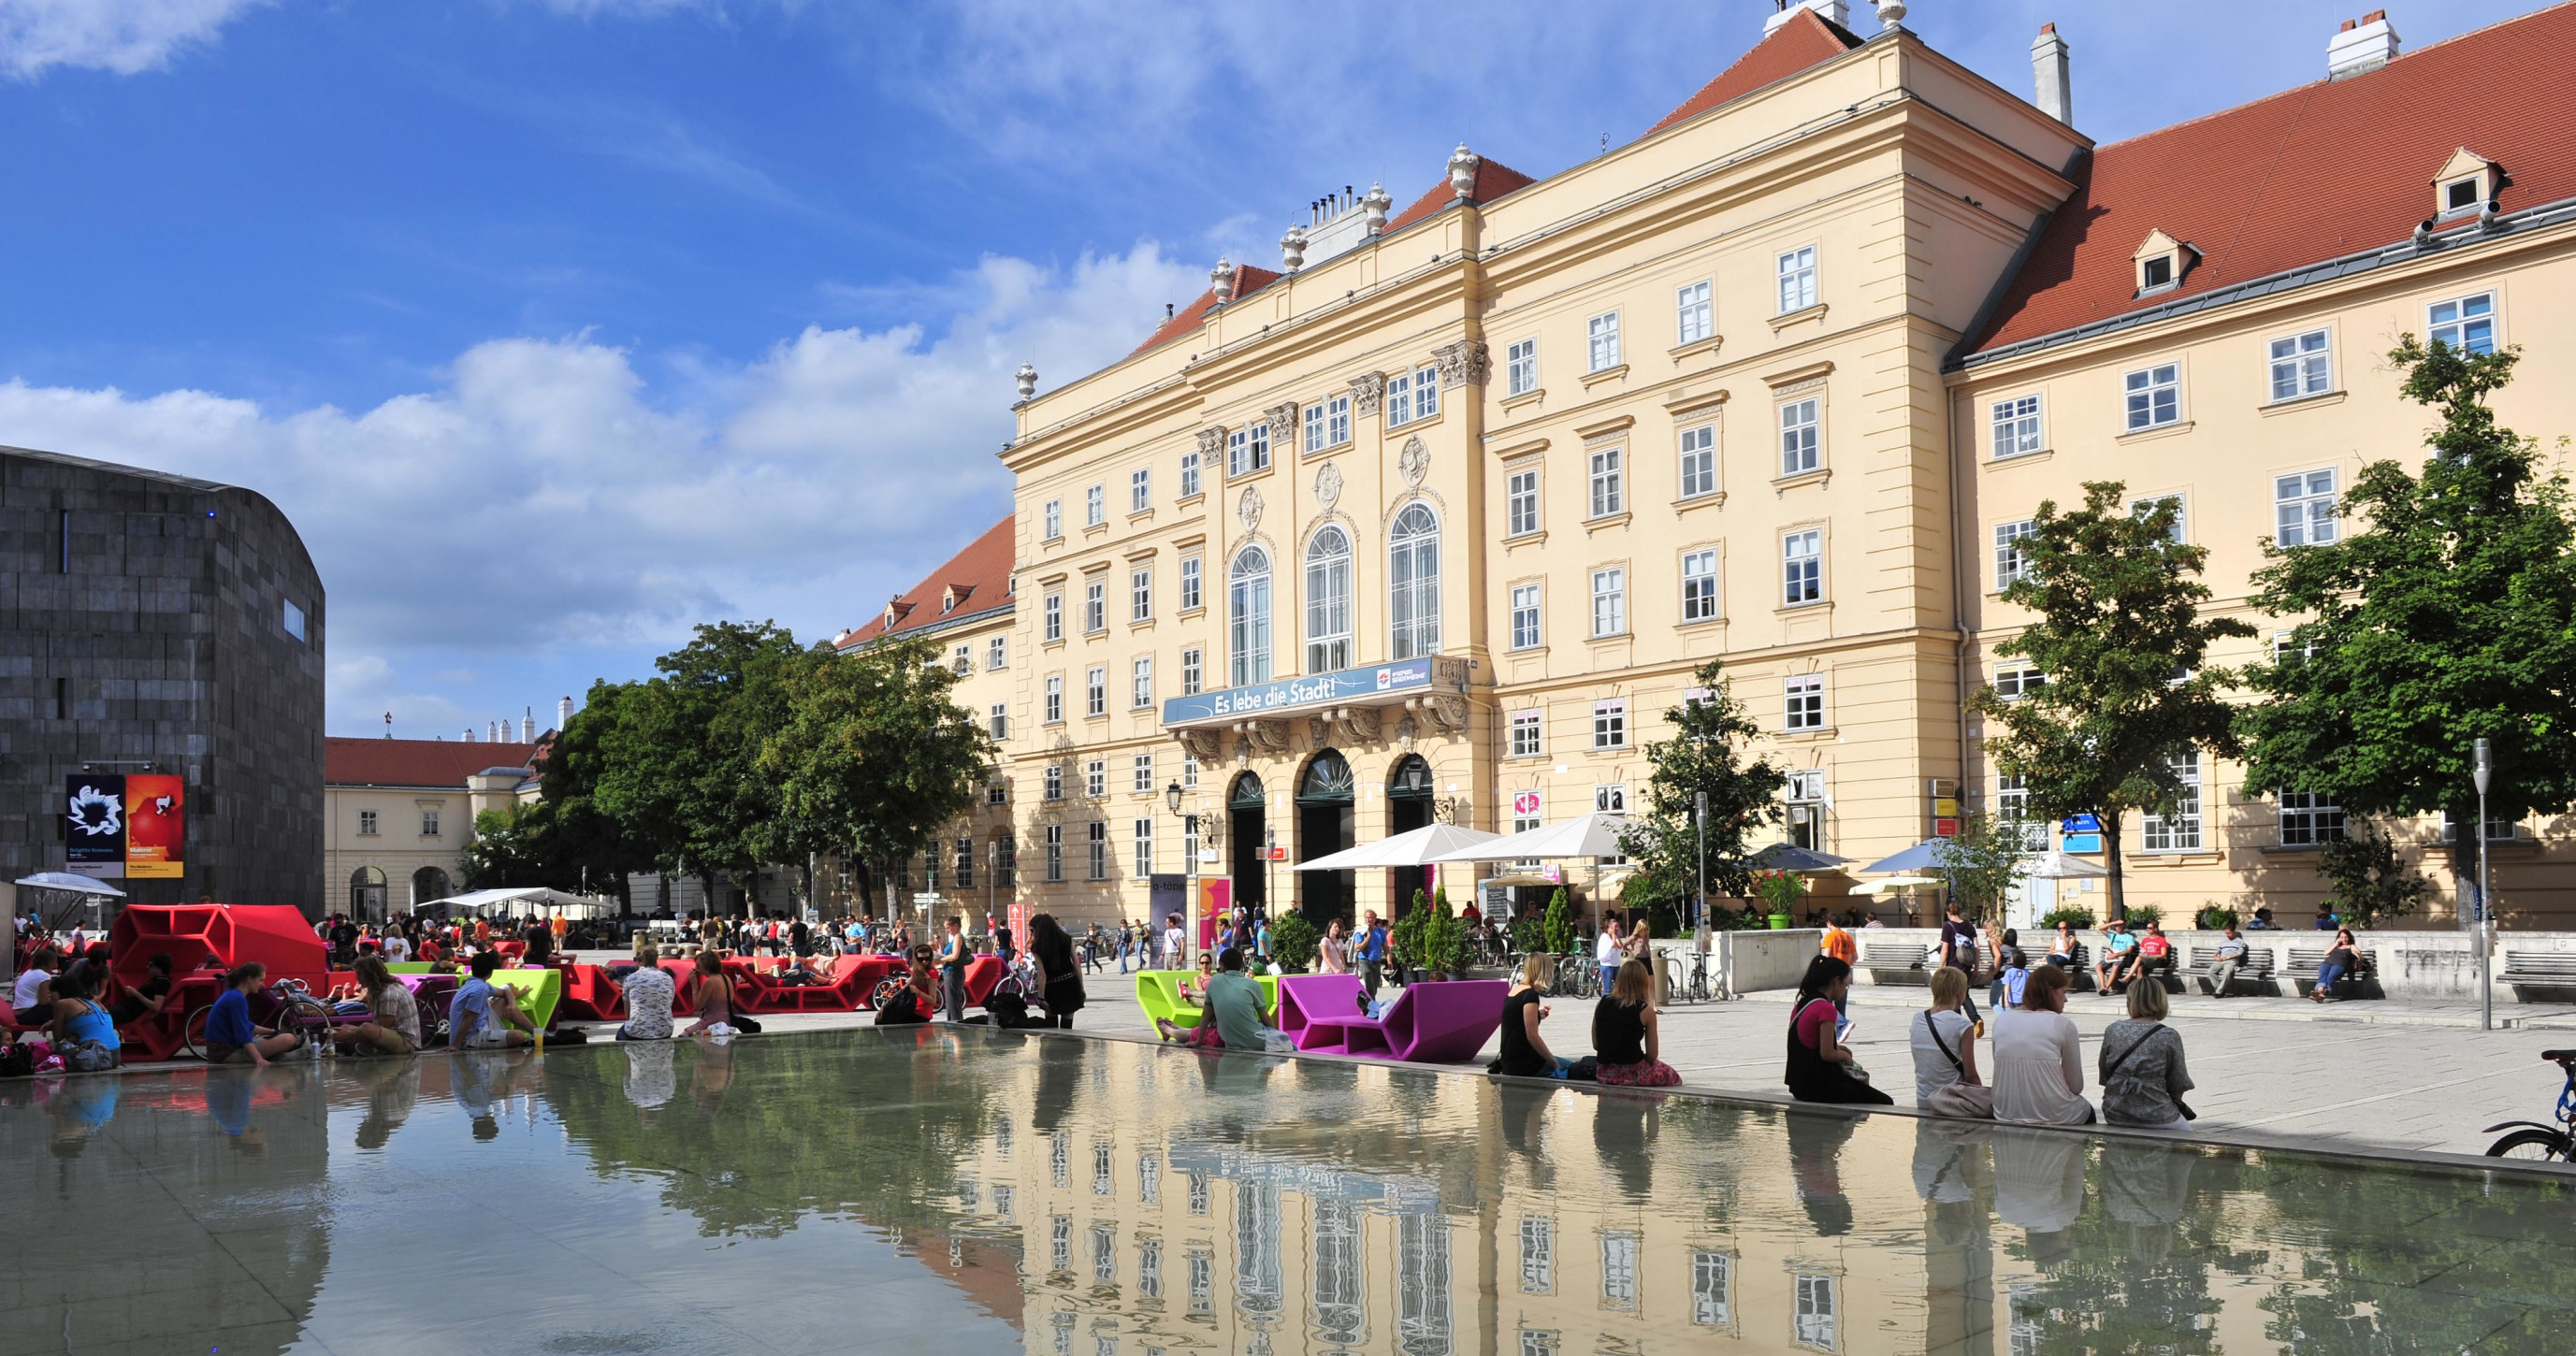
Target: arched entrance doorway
1326, 803
1408, 807
367, 893
428, 883
1246, 835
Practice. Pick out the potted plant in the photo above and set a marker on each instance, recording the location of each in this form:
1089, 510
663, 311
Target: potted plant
2215, 918
1292, 943
1782, 890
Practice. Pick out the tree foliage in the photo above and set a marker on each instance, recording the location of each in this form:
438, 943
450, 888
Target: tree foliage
1292, 943
1559, 923
2371, 880
2451, 618
2118, 631
1984, 861
873, 757
1703, 757
510, 849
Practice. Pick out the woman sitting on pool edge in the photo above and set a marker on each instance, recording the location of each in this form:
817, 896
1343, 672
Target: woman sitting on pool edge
1624, 1035
231, 1036
393, 1027
1821, 1067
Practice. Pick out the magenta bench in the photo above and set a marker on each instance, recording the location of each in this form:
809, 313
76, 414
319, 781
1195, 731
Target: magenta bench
1441, 1023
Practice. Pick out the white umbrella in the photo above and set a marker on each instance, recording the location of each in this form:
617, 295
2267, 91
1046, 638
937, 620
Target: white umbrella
1592, 835
1419, 847
476, 901
1895, 883
65, 880
2059, 866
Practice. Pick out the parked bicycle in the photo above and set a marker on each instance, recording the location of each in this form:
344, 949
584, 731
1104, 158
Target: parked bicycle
286, 1005
2539, 1140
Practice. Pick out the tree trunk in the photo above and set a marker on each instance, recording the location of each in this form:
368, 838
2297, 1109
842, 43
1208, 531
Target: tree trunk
2119, 905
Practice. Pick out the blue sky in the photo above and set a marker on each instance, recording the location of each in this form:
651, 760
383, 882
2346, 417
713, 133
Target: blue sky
559, 325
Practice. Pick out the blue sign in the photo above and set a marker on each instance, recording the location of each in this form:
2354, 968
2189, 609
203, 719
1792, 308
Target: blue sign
1288, 694
2081, 843
2080, 824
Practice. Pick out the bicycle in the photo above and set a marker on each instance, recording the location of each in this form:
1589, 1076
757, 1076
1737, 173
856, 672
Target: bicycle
284, 1006
2538, 1140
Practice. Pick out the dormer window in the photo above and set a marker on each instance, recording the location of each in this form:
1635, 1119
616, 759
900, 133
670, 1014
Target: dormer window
2161, 262
948, 599
2467, 183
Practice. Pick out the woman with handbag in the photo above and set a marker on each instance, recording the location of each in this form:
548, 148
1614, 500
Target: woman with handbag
1945, 1053
1821, 1067
1059, 971
2143, 1078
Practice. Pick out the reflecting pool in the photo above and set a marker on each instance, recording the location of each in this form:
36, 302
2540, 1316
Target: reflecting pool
934, 1190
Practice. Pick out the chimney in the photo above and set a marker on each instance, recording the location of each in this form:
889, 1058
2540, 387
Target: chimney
2361, 46
1833, 11
563, 713
469, 734
2051, 90
528, 722
492, 731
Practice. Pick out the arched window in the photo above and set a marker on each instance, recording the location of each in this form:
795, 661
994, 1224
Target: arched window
428, 883
1248, 615
1413, 584
1328, 601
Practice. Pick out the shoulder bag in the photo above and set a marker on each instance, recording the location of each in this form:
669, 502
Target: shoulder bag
1963, 1100
2113, 1068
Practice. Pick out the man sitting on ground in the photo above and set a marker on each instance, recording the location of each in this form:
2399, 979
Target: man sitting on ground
1235, 1017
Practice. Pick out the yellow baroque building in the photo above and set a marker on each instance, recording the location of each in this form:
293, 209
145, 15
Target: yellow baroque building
1439, 518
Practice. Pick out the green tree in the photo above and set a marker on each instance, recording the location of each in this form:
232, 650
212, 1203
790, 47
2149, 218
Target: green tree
2451, 617
682, 764
587, 847
1292, 943
510, 848
1702, 758
873, 756
2118, 632
1560, 923
1984, 861
2371, 880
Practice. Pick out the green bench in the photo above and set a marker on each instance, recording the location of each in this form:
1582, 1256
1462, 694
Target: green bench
1158, 992
539, 990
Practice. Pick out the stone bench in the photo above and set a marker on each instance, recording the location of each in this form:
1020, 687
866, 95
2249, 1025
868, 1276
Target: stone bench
2305, 961
2254, 967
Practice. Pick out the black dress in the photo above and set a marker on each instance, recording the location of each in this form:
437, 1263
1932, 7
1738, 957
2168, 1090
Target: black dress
1063, 976
1813, 1078
1619, 1031
1519, 1057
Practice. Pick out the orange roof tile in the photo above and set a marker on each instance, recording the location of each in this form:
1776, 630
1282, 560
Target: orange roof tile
414, 762
1247, 280
980, 576
2308, 175
1493, 180
1805, 39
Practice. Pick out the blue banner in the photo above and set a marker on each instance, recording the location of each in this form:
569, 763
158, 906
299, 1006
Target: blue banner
1288, 694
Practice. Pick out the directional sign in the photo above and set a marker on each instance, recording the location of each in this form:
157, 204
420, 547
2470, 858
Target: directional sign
2083, 844
2080, 824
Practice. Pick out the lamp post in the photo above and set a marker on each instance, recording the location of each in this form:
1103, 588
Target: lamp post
2483, 771
1189, 870
1699, 855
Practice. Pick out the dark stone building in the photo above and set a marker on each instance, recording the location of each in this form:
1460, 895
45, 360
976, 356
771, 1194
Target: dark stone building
151, 623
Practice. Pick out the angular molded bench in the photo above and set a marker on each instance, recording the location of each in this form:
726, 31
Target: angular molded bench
1158, 992
591, 995
1447, 1022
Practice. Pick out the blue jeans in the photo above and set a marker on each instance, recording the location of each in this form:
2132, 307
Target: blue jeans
1609, 976
2327, 975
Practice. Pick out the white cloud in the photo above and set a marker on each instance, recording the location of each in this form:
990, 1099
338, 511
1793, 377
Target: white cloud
124, 36
549, 496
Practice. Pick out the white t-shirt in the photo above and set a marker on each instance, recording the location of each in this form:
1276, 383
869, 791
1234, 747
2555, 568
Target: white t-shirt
396, 949
28, 982
1932, 1069
2039, 1069
1606, 950
1172, 948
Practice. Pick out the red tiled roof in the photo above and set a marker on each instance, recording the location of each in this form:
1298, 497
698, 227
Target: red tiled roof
2307, 175
1806, 39
414, 762
980, 574
1247, 280
1493, 180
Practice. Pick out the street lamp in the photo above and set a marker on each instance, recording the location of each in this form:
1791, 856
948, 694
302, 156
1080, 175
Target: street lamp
2483, 771
1699, 829
1189, 872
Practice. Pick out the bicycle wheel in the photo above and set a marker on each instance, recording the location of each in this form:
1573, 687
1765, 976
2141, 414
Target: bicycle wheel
885, 989
2544, 1146
192, 1032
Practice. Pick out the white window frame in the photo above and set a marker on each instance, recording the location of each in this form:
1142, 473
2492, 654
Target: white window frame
1144, 834
1694, 318
1140, 489
2151, 397
1520, 368
1797, 273
1053, 516
1521, 503
2302, 365
997, 654
1698, 460
1601, 341
2016, 679
1610, 723
1052, 609
1413, 583
1095, 506
1055, 854
998, 721
2014, 427
962, 660
2303, 508
1802, 435
1095, 778
1096, 840
1054, 709
1813, 1321
2139, 506
1189, 472
1426, 393
1337, 420
1141, 770
367, 824
1140, 595
1140, 682
2184, 830
1608, 481
1609, 602
1712, 1288
1528, 733
1802, 572
1399, 400
2309, 818
1802, 700
1095, 606
1528, 632
1054, 788
2010, 562
1331, 606
2472, 323
1095, 690
1699, 585
1610, 798
1193, 583
1193, 671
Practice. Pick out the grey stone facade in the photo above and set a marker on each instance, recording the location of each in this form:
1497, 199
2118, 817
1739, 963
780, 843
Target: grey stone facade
143, 620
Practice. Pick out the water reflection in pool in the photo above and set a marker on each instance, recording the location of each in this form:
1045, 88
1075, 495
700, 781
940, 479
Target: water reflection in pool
937, 1190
